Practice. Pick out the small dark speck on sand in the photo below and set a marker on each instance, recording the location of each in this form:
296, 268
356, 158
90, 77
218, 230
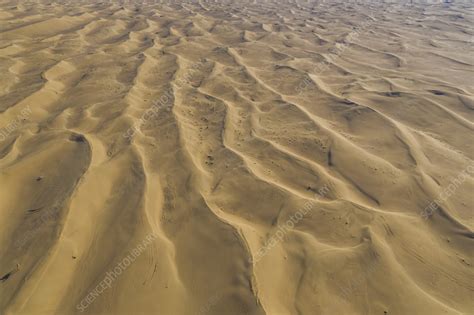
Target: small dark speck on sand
77, 138
390, 94
437, 92
5, 277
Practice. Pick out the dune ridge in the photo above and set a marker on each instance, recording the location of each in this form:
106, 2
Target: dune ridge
299, 157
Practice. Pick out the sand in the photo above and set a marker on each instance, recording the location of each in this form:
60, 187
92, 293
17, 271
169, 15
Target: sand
198, 158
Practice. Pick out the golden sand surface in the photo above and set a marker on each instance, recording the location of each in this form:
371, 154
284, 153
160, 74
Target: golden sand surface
229, 158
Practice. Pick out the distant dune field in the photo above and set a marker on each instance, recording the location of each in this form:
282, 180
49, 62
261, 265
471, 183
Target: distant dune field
236, 158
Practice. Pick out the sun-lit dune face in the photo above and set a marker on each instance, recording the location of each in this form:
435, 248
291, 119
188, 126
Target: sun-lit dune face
236, 157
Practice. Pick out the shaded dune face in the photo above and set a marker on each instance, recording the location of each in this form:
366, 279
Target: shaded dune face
236, 158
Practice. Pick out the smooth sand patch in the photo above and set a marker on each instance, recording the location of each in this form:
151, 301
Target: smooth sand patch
264, 157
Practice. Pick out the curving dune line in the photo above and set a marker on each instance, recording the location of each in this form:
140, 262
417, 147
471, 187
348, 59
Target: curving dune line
281, 155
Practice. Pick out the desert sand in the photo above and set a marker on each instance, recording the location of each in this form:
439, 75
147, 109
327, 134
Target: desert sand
227, 158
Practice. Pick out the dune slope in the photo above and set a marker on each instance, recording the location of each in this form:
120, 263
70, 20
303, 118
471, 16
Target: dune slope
208, 157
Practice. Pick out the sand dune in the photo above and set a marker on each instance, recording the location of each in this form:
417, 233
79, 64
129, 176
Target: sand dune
211, 157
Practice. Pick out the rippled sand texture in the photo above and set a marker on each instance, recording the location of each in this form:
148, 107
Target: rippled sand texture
266, 104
